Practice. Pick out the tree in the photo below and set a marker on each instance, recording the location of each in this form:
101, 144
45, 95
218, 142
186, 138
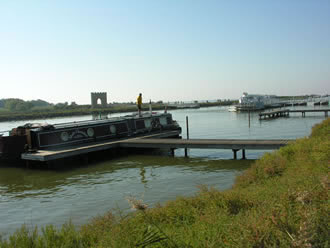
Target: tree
39, 103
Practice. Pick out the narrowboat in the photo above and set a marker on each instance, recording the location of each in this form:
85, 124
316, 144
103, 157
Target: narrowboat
34, 136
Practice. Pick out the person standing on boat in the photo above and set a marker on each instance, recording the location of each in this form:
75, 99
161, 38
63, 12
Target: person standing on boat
139, 103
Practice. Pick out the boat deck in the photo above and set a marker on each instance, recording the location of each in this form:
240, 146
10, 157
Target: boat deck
70, 151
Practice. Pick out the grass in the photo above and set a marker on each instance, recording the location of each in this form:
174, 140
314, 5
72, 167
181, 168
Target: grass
280, 201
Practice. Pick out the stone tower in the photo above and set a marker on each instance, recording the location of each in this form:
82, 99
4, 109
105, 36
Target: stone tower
95, 96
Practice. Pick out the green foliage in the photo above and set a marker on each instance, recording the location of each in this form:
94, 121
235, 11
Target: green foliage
150, 236
17, 109
40, 103
18, 105
281, 201
66, 237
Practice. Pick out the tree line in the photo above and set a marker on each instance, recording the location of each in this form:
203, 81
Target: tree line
19, 105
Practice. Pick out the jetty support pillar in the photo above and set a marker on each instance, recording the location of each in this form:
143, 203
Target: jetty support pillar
243, 154
186, 149
235, 153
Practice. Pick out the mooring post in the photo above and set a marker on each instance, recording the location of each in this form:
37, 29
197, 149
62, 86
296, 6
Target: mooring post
243, 154
172, 152
187, 124
249, 118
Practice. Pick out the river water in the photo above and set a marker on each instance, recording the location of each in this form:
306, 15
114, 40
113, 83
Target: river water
41, 197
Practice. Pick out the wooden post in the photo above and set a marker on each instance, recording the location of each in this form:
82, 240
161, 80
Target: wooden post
187, 124
243, 154
235, 153
172, 152
249, 118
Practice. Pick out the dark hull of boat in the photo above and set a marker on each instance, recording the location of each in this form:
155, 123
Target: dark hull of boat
11, 147
91, 131
49, 137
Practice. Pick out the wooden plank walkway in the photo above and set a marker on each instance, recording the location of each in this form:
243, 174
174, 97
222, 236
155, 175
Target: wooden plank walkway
304, 111
159, 141
206, 143
274, 114
286, 112
233, 144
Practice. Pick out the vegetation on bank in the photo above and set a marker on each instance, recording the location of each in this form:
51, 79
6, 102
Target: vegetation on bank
17, 109
281, 201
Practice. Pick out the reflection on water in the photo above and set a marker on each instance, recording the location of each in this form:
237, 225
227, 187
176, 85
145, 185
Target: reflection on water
40, 197
20, 182
43, 197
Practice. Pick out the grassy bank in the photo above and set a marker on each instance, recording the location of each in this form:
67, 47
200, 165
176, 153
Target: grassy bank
281, 201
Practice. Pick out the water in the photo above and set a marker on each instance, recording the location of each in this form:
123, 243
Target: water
40, 197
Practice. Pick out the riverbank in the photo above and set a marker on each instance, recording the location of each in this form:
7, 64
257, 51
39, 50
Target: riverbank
84, 110
281, 201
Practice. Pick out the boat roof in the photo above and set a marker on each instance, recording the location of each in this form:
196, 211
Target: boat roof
99, 121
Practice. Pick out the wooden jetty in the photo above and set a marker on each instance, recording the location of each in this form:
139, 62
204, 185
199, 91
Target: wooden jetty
158, 141
233, 144
274, 114
286, 113
304, 111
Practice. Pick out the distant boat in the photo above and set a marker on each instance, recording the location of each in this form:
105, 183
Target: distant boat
187, 105
325, 103
232, 108
254, 102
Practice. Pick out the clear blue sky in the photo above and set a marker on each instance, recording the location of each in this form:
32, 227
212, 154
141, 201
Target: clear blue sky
169, 50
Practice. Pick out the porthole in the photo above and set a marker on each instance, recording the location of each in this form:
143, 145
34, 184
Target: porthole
147, 123
90, 132
64, 136
163, 121
113, 129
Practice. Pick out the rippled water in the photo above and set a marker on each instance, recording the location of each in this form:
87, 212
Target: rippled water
40, 197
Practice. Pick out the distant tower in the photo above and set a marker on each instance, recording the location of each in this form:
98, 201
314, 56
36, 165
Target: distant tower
95, 96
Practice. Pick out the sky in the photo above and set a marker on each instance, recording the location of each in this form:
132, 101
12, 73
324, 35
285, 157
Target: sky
169, 50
